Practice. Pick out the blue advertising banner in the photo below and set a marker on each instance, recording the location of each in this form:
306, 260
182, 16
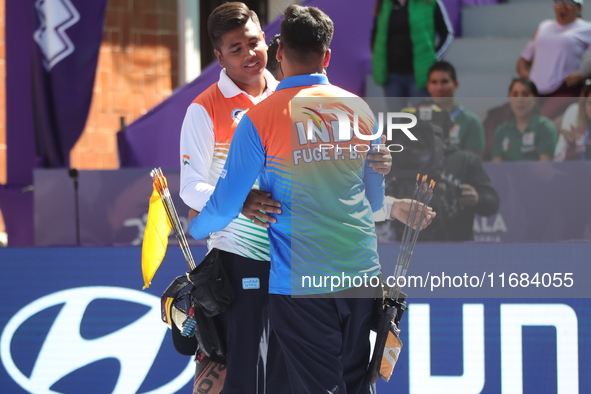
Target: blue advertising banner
74, 320
491, 346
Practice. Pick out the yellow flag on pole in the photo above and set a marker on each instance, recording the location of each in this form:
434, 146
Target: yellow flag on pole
158, 228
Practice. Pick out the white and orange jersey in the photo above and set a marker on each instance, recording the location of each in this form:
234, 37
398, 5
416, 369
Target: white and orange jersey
206, 134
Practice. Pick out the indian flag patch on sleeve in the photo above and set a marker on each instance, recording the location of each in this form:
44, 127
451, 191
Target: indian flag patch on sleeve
186, 159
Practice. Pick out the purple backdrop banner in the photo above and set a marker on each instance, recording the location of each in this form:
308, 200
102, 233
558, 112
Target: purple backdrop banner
65, 42
540, 202
20, 138
17, 209
113, 206
51, 55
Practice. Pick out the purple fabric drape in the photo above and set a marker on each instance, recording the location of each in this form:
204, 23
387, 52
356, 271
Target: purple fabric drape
66, 41
52, 50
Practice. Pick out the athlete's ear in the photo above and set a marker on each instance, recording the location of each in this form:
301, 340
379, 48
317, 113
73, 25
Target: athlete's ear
326, 60
279, 55
219, 56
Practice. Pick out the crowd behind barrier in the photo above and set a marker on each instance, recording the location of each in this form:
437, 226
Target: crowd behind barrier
406, 57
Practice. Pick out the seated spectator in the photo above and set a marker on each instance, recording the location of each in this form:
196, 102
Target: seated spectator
552, 58
527, 135
573, 142
494, 118
467, 132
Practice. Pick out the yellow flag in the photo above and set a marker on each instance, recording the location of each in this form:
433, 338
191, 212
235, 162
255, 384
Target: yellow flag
155, 241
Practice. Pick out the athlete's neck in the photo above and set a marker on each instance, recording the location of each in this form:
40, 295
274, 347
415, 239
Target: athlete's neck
255, 88
293, 71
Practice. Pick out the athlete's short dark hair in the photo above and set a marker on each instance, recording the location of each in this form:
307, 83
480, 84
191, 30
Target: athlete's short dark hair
272, 62
306, 33
227, 17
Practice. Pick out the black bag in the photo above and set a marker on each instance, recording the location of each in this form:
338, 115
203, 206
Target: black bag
192, 330
212, 289
208, 336
175, 304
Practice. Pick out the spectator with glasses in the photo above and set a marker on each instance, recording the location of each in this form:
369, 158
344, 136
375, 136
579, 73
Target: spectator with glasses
551, 59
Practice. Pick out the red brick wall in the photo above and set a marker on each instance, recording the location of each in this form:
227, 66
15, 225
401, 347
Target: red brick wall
137, 69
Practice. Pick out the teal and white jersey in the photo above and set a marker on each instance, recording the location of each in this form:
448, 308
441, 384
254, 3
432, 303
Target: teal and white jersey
324, 239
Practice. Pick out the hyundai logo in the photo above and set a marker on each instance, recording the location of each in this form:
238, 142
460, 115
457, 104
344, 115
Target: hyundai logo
64, 350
